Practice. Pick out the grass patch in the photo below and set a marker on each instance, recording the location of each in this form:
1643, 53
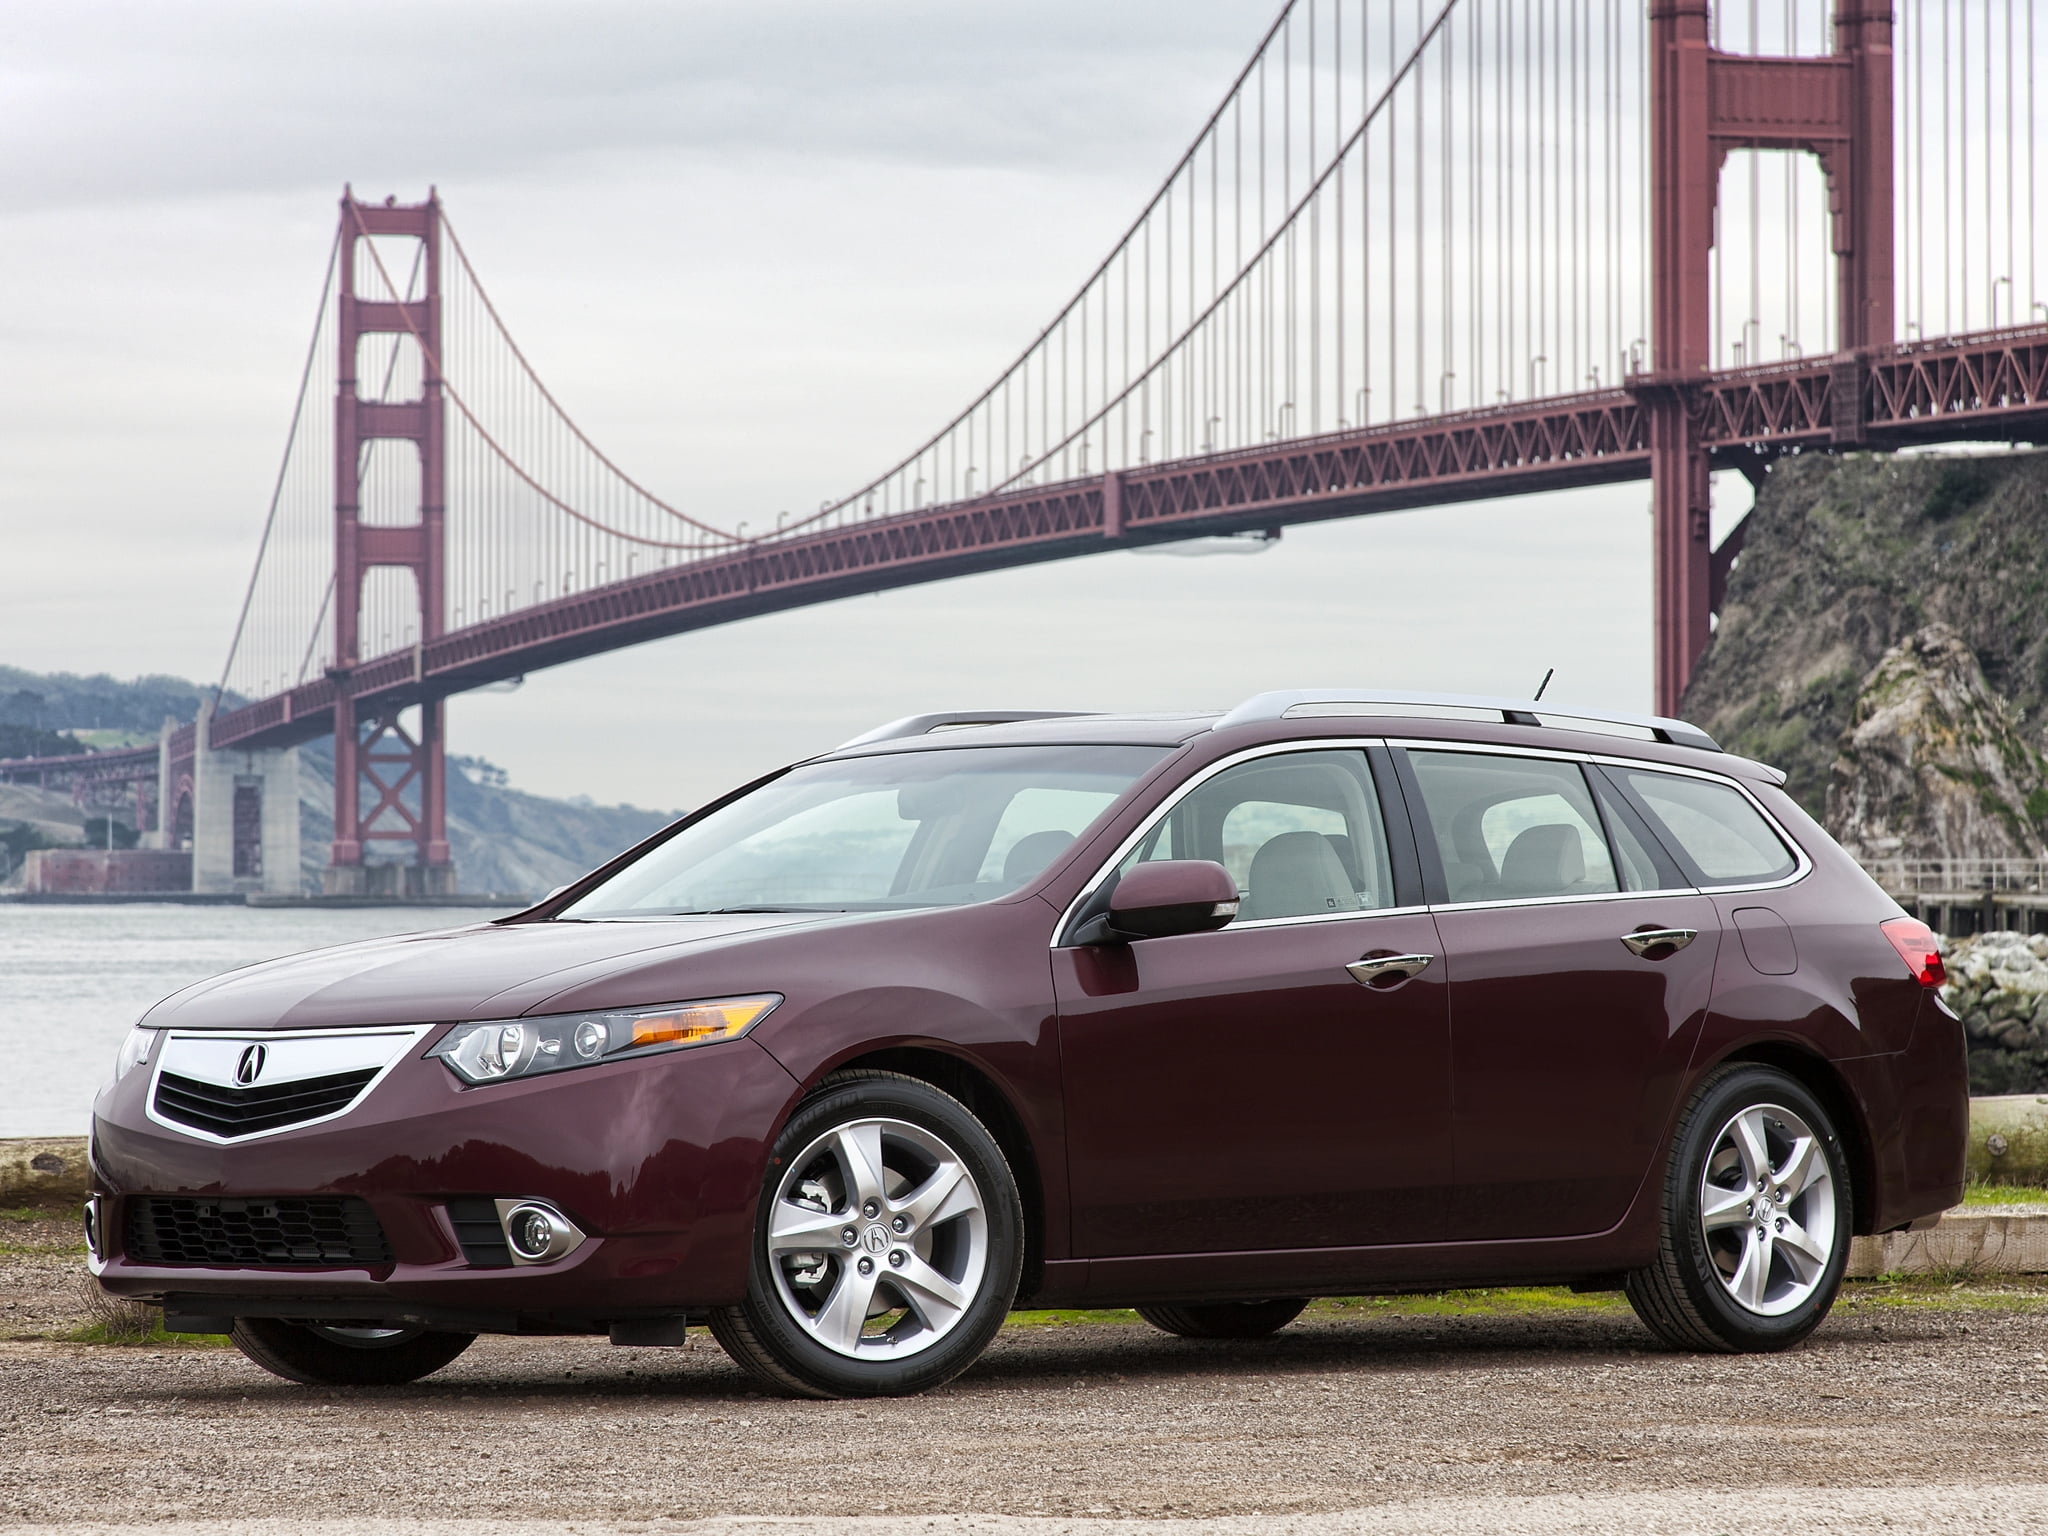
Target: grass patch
2004, 1194
1072, 1317
1948, 1293
154, 1336
1505, 1301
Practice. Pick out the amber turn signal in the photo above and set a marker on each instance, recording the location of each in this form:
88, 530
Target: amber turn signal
700, 1023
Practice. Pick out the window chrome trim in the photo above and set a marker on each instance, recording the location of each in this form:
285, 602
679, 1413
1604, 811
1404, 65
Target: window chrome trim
1356, 744
1802, 862
408, 1036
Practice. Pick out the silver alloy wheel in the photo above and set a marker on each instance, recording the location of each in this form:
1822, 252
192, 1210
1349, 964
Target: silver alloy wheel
877, 1239
1767, 1210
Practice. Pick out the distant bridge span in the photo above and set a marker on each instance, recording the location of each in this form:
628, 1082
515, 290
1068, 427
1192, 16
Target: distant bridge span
1987, 386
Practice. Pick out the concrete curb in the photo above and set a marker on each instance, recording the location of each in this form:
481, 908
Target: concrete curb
1964, 1243
44, 1170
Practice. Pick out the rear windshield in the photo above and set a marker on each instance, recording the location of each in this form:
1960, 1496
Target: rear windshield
1714, 826
909, 829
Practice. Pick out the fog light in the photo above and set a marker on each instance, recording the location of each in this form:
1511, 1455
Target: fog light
537, 1233
92, 1229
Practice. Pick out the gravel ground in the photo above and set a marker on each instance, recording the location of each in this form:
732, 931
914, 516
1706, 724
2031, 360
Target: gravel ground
1918, 1409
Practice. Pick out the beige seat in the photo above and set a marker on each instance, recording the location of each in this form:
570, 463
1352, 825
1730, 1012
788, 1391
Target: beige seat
1297, 874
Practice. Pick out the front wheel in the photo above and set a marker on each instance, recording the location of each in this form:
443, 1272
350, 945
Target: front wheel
1756, 1218
343, 1355
887, 1248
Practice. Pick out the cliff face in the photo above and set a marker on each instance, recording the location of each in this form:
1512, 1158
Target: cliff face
1933, 764
1885, 642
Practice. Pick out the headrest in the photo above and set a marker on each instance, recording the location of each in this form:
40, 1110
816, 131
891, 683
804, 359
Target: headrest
1544, 861
1030, 854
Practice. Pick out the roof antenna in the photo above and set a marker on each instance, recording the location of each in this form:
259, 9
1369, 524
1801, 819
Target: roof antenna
1547, 676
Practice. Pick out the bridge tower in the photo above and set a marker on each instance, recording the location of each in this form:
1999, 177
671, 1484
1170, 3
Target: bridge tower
404, 768
1706, 103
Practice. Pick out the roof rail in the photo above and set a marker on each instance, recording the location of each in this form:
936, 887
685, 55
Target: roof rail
1284, 702
924, 725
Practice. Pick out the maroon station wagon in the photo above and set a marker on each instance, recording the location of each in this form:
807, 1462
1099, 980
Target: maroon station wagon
1338, 992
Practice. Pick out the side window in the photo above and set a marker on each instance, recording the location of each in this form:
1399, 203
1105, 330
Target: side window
1036, 827
1513, 827
1300, 834
1715, 826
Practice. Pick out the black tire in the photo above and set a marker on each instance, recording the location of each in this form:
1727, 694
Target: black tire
1685, 1296
1224, 1319
763, 1334
336, 1355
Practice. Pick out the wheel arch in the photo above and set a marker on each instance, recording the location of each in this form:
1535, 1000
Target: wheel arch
1818, 1076
992, 1107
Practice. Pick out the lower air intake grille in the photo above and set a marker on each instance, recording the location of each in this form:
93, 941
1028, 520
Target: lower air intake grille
256, 1233
248, 1111
477, 1229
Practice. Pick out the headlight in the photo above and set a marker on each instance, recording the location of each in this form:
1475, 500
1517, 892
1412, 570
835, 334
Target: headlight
134, 1051
488, 1053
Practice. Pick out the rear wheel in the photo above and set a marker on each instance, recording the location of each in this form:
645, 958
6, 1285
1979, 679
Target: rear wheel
1756, 1218
345, 1355
888, 1245
1224, 1319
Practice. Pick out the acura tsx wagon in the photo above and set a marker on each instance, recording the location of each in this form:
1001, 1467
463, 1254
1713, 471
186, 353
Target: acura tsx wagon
1337, 992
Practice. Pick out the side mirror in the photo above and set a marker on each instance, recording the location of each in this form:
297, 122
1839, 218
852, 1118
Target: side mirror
1157, 901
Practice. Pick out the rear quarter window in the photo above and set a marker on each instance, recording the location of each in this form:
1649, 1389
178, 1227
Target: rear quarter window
1714, 826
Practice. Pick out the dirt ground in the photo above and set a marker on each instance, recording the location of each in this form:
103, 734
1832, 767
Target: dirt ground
1916, 1408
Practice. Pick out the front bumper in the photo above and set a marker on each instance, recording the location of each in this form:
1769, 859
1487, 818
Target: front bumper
659, 1160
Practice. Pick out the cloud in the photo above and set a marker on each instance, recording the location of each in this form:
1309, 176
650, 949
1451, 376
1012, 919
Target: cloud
120, 101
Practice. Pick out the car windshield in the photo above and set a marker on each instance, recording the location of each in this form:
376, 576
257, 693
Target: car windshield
937, 828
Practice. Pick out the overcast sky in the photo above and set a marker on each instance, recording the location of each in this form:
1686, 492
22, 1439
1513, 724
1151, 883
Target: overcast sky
758, 250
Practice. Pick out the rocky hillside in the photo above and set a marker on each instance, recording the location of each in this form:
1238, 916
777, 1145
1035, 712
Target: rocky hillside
504, 840
1885, 642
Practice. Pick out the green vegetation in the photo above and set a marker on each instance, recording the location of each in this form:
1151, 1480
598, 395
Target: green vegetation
1933, 1292
1960, 484
32, 741
2004, 1194
1956, 1292
149, 1331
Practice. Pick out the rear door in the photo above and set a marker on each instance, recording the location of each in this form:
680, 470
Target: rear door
1581, 964
1242, 1090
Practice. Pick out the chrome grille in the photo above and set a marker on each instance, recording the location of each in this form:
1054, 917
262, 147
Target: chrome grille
229, 1112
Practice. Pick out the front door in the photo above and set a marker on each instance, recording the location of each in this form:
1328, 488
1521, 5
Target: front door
1242, 1090
1572, 1021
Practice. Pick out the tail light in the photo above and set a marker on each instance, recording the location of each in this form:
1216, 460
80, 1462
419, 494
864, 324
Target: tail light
1914, 941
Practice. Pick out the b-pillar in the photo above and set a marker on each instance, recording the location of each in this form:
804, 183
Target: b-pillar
1704, 104
405, 768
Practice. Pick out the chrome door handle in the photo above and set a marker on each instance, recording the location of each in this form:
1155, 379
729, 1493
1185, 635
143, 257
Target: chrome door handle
1366, 972
1643, 940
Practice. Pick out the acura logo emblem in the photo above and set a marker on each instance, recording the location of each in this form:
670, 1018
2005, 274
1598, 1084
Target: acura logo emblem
250, 1067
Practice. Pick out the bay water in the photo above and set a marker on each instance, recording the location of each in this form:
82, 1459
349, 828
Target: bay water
74, 979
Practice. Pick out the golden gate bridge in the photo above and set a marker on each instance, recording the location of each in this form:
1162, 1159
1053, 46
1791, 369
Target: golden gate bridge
1423, 251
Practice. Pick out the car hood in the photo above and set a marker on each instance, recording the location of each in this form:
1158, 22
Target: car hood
464, 973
